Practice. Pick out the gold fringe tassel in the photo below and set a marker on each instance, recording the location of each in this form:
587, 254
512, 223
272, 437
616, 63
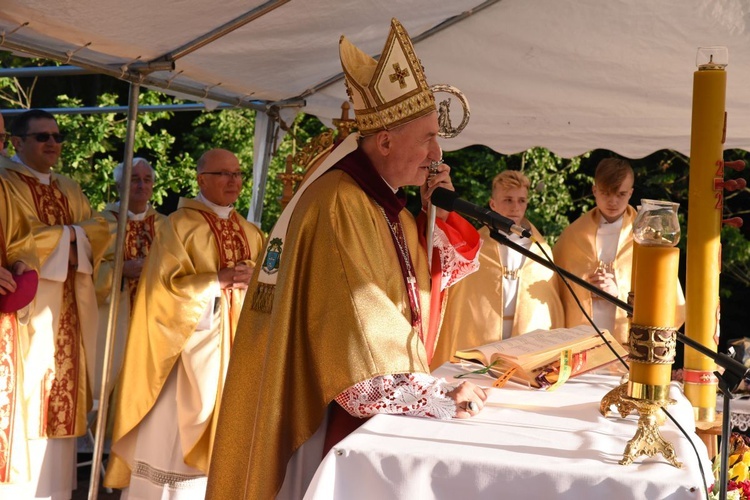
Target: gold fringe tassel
263, 298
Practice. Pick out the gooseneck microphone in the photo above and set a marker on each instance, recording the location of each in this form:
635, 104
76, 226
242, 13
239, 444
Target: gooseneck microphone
449, 200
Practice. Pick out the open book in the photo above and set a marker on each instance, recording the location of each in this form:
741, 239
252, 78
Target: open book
542, 358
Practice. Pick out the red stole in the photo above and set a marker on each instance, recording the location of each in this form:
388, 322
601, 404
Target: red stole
60, 390
138, 237
233, 248
9, 383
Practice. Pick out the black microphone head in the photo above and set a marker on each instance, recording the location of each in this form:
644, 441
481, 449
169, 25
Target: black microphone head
444, 198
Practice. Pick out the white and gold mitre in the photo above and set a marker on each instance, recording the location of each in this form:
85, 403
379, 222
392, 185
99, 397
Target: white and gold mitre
389, 92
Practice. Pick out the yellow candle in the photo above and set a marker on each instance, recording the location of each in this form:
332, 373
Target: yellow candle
655, 302
704, 225
633, 272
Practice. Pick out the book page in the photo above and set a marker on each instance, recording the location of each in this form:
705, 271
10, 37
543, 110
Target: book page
536, 342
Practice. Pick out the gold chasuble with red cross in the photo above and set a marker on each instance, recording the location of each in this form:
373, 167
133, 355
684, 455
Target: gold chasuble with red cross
62, 348
178, 284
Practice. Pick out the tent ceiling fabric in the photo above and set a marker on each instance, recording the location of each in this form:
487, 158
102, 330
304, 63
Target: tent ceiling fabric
569, 75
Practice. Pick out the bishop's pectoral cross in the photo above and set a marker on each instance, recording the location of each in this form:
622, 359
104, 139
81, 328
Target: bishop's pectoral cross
411, 282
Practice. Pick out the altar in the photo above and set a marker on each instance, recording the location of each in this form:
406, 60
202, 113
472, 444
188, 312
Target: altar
526, 443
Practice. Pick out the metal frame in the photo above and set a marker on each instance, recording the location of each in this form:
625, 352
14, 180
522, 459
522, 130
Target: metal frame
139, 73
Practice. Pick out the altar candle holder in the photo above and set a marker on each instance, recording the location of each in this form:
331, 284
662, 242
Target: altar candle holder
652, 340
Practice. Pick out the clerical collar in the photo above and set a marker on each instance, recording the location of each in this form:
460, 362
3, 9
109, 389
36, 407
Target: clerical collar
133, 216
43, 178
221, 212
361, 169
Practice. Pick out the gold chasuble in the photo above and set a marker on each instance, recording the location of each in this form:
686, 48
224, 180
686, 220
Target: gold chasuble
16, 244
62, 348
179, 283
475, 305
138, 237
576, 252
341, 314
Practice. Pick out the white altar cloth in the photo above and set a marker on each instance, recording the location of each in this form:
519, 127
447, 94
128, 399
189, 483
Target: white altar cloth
526, 443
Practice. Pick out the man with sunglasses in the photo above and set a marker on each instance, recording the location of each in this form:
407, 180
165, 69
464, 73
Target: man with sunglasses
59, 359
184, 317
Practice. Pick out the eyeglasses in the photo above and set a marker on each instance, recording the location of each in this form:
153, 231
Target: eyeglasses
225, 175
44, 136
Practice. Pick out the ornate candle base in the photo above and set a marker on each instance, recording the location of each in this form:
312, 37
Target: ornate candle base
647, 440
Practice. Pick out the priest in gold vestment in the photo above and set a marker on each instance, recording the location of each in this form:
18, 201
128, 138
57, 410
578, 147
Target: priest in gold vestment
182, 328
60, 357
598, 247
17, 255
510, 294
143, 223
345, 310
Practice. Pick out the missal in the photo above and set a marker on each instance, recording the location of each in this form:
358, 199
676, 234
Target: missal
546, 358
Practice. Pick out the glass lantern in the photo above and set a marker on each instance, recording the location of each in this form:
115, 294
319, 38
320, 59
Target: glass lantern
656, 224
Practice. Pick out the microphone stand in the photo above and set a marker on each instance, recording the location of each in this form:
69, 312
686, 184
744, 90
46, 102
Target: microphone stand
734, 371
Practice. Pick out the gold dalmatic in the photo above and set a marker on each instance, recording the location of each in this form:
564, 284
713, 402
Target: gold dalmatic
60, 387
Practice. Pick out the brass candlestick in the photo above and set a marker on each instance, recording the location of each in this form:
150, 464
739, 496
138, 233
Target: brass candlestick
652, 341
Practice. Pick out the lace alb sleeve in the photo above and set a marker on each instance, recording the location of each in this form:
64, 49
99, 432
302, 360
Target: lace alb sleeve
454, 265
417, 394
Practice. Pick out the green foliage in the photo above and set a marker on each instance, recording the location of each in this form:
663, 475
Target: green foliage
551, 198
561, 188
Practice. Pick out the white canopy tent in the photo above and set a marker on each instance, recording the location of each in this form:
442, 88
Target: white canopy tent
568, 75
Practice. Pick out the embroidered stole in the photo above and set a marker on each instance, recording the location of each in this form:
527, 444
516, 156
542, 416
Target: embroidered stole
9, 363
60, 386
138, 238
233, 248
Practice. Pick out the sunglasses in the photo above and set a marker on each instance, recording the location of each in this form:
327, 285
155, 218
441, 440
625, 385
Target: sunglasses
44, 136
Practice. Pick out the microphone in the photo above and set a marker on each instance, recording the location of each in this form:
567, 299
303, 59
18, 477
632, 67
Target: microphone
449, 200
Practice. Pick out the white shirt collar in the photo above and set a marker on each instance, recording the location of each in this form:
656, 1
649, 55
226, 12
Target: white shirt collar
134, 216
221, 212
43, 178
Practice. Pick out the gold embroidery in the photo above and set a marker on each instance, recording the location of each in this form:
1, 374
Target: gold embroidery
60, 387
8, 394
63, 393
511, 274
138, 239
399, 75
231, 240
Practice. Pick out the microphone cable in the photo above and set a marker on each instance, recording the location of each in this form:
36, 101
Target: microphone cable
625, 364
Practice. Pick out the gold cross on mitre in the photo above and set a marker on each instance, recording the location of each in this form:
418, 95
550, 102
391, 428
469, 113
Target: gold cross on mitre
399, 74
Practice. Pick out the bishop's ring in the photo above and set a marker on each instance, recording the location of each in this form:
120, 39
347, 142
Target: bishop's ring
472, 406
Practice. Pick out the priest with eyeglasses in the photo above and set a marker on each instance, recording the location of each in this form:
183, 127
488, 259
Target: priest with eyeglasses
182, 327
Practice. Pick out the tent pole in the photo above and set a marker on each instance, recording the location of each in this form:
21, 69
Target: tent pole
122, 221
265, 132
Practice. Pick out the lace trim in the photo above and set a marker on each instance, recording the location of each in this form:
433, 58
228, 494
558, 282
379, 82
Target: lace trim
173, 480
455, 266
415, 394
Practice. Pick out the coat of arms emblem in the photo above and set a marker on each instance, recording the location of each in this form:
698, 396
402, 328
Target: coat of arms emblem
273, 256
